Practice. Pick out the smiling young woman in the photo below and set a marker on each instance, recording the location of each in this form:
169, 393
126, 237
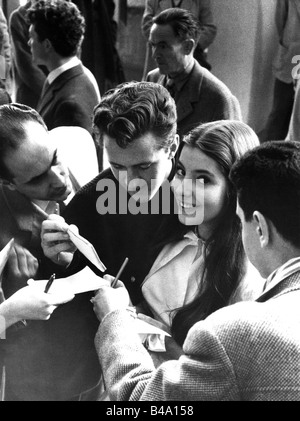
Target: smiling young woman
207, 269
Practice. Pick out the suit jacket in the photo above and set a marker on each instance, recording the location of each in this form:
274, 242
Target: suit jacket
37, 364
249, 351
203, 98
28, 77
69, 100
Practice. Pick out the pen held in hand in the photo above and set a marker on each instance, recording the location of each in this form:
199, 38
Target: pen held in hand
115, 281
49, 283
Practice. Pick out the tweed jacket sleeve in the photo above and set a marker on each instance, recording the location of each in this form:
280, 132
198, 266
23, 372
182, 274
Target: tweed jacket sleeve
203, 373
247, 351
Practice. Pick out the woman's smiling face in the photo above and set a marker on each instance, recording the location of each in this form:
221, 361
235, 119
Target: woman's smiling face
200, 189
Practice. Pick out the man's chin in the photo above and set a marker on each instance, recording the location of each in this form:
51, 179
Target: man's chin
162, 69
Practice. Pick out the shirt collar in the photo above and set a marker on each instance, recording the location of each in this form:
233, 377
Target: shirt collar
281, 273
74, 61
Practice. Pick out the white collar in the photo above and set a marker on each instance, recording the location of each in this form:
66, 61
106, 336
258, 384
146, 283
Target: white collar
74, 61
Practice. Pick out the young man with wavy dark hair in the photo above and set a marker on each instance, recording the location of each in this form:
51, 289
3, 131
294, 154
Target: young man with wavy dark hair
70, 92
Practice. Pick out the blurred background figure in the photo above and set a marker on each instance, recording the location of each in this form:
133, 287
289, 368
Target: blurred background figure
288, 28
99, 53
70, 91
201, 9
28, 77
5, 53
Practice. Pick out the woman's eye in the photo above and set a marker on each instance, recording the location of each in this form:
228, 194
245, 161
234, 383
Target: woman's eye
204, 180
116, 167
180, 172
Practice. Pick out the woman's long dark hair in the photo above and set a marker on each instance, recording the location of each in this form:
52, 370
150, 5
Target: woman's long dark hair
224, 266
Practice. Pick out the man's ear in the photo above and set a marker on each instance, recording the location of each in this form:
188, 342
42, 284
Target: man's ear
188, 46
174, 147
263, 229
47, 45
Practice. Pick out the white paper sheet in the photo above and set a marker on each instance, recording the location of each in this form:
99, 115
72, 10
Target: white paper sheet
83, 281
87, 249
87, 280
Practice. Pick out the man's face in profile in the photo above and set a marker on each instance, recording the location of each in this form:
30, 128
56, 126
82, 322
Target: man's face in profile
35, 167
167, 50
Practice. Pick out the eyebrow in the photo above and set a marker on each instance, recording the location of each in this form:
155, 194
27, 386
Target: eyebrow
54, 159
136, 165
204, 172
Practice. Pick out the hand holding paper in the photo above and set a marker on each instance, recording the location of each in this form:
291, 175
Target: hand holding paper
83, 281
60, 240
86, 248
56, 242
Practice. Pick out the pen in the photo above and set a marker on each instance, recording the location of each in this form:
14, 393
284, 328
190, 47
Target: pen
49, 283
115, 281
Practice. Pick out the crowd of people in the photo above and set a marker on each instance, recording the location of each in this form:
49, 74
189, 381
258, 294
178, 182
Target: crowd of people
205, 211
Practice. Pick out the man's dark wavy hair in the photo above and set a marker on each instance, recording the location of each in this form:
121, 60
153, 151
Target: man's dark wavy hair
267, 180
183, 23
133, 109
59, 21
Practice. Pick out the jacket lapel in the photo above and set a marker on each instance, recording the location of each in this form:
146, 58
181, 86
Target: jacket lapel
20, 208
57, 85
289, 284
190, 93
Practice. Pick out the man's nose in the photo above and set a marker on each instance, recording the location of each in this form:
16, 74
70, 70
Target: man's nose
58, 177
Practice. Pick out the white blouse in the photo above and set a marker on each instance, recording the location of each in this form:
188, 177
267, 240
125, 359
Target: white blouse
173, 280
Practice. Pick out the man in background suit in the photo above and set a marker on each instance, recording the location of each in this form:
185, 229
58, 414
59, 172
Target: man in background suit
70, 92
28, 77
244, 352
199, 96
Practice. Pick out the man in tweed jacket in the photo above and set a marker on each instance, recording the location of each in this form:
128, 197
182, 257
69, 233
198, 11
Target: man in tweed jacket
247, 351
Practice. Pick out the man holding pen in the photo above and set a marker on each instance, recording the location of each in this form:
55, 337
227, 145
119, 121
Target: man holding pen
33, 180
136, 123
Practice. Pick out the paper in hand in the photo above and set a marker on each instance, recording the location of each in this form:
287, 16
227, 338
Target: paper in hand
86, 248
4, 254
83, 281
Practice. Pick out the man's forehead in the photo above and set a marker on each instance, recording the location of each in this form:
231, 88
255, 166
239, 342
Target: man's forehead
33, 153
162, 32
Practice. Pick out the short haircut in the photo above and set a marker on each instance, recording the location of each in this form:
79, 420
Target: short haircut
61, 22
267, 180
184, 24
13, 118
133, 109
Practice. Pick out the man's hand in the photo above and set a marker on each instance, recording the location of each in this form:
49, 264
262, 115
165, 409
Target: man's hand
32, 304
56, 242
22, 264
108, 299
